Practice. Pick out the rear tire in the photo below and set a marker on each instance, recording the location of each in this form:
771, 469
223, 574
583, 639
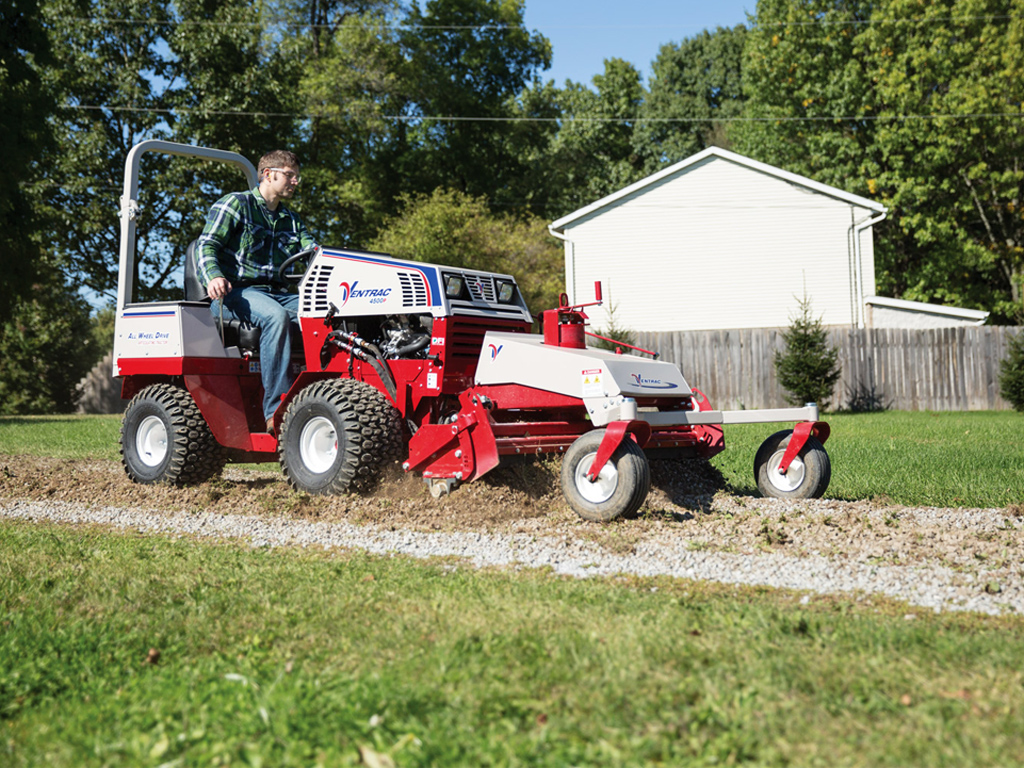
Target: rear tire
808, 476
338, 435
620, 489
165, 439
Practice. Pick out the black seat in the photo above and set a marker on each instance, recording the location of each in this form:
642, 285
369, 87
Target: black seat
235, 333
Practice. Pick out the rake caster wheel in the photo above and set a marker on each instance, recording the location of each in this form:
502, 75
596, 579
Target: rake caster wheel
165, 439
337, 436
808, 476
620, 489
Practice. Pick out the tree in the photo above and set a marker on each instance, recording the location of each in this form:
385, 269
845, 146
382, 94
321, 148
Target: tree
26, 103
450, 227
917, 105
45, 352
955, 183
105, 63
196, 71
352, 85
698, 82
592, 153
809, 367
1011, 373
468, 61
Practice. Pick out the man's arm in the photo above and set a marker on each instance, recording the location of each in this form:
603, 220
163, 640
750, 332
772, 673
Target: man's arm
222, 221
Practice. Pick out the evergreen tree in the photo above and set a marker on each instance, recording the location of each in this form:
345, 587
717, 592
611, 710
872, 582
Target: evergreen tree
809, 367
1011, 373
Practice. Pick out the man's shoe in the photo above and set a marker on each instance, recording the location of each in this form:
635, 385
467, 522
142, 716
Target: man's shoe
270, 425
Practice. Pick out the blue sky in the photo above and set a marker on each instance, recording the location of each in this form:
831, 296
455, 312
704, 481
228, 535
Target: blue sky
583, 33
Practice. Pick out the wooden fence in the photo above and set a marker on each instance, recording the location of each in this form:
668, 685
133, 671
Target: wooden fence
943, 369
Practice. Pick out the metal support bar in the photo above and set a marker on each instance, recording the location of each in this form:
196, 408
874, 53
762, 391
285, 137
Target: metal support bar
765, 416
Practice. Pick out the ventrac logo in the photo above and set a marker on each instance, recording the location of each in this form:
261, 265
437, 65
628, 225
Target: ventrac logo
495, 350
645, 383
375, 295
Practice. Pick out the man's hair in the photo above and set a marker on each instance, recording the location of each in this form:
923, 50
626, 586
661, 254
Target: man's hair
277, 159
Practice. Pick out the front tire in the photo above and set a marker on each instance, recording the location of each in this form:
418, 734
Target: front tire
165, 439
337, 436
620, 489
808, 476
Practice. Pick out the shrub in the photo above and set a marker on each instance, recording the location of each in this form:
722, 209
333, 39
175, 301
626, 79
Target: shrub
809, 367
45, 349
1011, 373
614, 331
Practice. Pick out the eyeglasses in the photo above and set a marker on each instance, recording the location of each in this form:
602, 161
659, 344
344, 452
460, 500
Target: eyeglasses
291, 175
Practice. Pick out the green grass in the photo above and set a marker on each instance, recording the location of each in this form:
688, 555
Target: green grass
278, 657
63, 437
970, 459
922, 458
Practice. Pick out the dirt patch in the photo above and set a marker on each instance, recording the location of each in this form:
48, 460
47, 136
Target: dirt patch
687, 501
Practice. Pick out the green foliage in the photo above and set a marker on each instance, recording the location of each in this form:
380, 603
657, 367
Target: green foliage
23, 48
808, 368
45, 349
103, 329
698, 81
1011, 373
857, 105
613, 331
449, 227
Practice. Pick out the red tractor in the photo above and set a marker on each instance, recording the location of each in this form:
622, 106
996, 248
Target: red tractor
430, 366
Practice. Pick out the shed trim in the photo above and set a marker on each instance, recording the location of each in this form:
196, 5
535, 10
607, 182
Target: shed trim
724, 154
931, 309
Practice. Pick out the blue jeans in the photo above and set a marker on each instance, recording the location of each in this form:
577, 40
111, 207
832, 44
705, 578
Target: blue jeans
272, 311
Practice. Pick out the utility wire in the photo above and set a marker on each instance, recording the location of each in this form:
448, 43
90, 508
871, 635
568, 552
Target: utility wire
569, 119
501, 27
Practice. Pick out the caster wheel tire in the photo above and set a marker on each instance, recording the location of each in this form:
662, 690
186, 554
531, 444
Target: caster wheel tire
808, 476
338, 435
619, 490
165, 439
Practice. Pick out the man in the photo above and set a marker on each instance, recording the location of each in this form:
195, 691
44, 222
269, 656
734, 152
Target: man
248, 235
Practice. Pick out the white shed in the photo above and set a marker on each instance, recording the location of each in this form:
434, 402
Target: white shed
722, 241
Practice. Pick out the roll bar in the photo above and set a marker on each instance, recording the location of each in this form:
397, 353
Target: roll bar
130, 205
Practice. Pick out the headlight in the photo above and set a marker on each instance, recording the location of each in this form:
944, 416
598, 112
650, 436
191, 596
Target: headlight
506, 291
453, 285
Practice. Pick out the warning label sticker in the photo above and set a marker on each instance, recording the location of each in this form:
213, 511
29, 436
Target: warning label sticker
591, 383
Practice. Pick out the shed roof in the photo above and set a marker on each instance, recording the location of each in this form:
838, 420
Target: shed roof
724, 154
974, 315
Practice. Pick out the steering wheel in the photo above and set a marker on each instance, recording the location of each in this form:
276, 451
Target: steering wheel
282, 271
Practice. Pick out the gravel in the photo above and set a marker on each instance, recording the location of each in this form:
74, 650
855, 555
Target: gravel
934, 559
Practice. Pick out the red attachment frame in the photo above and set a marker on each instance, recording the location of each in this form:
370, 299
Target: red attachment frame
801, 432
613, 436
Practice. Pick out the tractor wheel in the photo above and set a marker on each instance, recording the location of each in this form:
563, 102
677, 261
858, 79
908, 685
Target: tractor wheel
165, 439
808, 476
620, 489
338, 435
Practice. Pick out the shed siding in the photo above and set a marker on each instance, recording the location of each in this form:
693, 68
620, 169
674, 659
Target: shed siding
752, 242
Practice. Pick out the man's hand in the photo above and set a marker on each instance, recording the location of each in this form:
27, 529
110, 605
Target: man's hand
219, 288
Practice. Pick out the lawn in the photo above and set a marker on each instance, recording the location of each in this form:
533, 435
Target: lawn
141, 651
127, 650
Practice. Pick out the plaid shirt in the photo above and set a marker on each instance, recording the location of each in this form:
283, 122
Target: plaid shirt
245, 241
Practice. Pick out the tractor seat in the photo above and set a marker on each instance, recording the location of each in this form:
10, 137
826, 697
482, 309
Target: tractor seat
236, 333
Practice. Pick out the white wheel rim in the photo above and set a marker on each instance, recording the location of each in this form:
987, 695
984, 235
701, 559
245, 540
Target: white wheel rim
151, 441
600, 490
318, 445
793, 478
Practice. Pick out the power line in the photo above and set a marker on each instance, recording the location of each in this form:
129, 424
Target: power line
569, 119
501, 27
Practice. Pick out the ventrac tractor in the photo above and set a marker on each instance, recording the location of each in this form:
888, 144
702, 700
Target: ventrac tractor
429, 367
